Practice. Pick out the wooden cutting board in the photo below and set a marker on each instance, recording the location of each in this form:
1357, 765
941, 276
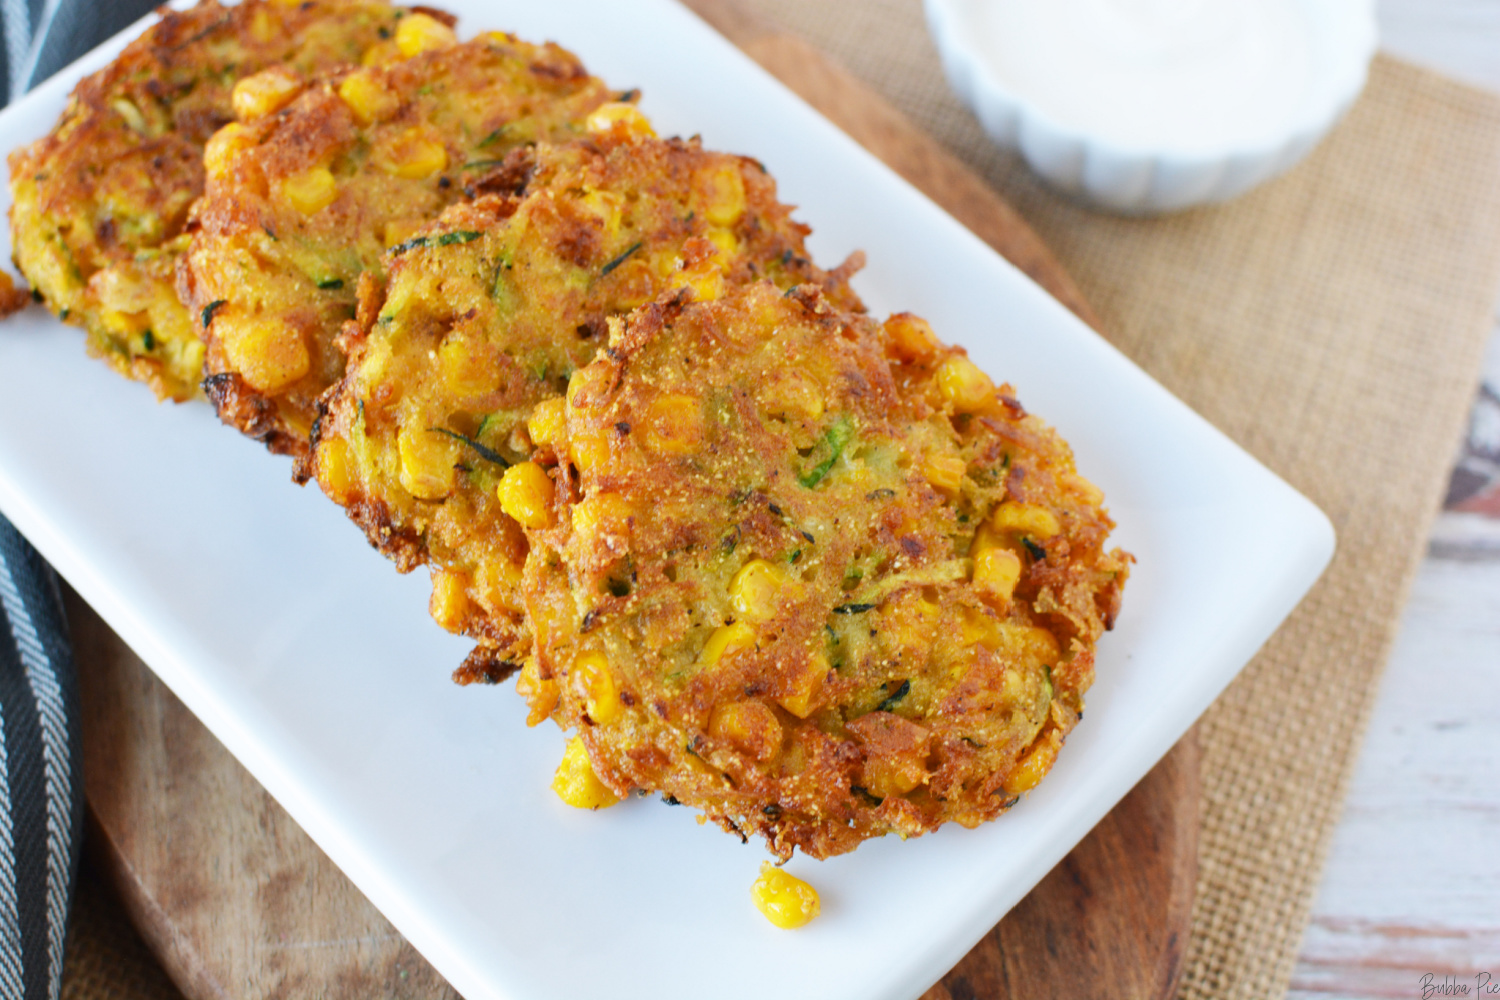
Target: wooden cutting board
236, 901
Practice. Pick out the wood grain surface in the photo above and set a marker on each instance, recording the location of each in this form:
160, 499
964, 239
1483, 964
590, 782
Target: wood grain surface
1411, 894
237, 901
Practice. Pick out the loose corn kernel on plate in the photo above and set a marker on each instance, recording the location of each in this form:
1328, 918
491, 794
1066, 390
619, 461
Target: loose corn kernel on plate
322, 672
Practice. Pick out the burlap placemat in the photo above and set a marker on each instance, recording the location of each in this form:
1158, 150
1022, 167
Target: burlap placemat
1332, 323
105, 959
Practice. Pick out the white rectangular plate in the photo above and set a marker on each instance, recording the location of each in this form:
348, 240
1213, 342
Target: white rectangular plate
316, 664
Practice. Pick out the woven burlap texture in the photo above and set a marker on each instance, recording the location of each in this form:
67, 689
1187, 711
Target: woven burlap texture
1332, 323
105, 958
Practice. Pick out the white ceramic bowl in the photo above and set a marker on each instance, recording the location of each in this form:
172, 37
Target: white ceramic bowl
1140, 178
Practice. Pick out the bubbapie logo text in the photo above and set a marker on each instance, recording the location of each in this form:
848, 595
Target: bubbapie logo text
1482, 985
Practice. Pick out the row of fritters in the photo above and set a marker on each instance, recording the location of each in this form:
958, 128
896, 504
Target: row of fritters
806, 572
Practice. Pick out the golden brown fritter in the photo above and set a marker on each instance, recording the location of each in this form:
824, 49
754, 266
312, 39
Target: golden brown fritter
12, 299
100, 202
489, 312
809, 574
300, 203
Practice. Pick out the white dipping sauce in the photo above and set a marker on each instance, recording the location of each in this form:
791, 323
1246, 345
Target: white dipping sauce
1189, 75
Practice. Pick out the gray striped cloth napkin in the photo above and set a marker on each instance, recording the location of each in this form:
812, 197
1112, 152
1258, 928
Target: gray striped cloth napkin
41, 761
41, 773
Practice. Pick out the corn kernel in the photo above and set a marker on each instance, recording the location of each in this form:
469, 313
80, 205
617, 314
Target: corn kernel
595, 684
1092, 495
723, 194
1026, 519
125, 324
945, 472
727, 640
265, 92
420, 33
381, 54
927, 611
541, 694
334, 475
427, 461
449, 605
1036, 643
785, 900
548, 423
525, 493
725, 240
886, 776
753, 589
1024, 644
267, 353
589, 450
468, 368
621, 118
806, 686
586, 385
222, 148
368, 99
910, 627
910, 338
399, 231
576, 783
262, 28
749, 726
790, 393
996, 573
978, 629
413, 154
964, 385
705, 282
310, 191
497, 582
1034, 766
674, 425
601, 515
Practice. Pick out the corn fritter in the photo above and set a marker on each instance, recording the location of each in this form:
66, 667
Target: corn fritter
810, 574
457, 368
301, 202
100, 202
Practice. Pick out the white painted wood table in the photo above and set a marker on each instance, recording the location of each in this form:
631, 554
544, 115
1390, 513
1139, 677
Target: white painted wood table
1410, 900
